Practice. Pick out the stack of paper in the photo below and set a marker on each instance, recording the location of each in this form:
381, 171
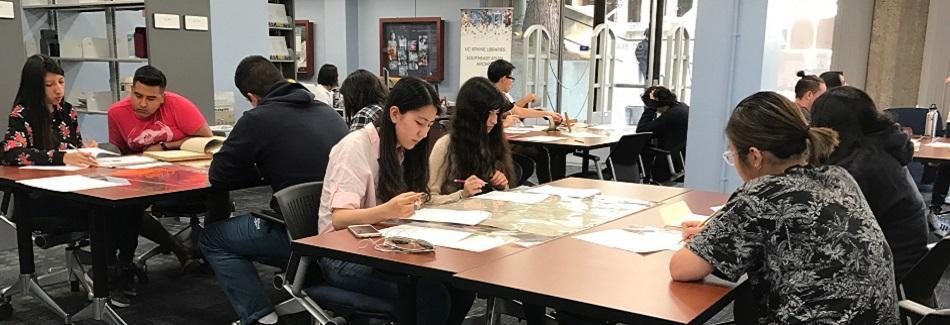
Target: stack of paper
72, 183
637, 239
938, 144
451, 216
124, 161
677, 213
516, 197
564, 191
95, 152
58, 168
440, 237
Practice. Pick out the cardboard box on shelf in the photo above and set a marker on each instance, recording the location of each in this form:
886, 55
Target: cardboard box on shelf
94, 47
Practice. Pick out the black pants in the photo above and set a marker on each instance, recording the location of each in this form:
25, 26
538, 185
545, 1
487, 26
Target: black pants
941, 185
541, 160
55, 216
657, 167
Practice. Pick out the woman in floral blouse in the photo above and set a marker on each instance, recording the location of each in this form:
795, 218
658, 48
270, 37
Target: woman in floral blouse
43, 127
804, 235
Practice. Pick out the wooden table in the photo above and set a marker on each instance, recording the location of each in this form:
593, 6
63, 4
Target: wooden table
594, 280
446, 261
558, 150
145, 186
927, 153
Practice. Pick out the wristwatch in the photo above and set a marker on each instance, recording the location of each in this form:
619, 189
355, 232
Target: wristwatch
162, 144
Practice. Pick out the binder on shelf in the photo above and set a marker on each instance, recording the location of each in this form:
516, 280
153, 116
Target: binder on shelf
140, 38
49, 42
279, 49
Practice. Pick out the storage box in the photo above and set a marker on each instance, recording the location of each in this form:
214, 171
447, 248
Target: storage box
70, 48
94, 47
97, 101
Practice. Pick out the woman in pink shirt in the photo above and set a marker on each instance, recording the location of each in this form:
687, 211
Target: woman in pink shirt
375, 174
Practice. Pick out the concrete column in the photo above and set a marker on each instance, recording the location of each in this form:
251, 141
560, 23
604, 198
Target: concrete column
897, 45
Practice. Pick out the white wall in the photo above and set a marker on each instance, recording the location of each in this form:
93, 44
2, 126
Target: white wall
231, 42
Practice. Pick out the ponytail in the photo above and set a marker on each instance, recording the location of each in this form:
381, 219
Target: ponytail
821, 143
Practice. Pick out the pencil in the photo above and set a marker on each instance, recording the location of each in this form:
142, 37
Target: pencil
459, 180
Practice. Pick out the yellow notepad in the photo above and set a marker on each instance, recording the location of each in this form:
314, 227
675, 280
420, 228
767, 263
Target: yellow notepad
675, 214
191, 149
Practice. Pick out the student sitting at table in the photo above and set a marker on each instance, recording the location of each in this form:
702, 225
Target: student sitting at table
327, 80
154, 119
876, 152
804, 235
475, 153
43, 127
379, 173
363, 96
277, 143
668, 119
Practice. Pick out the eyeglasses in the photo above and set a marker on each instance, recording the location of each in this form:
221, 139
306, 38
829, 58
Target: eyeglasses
510, 77
729, 157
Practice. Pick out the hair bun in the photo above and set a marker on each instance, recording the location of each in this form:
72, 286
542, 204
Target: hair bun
801, 73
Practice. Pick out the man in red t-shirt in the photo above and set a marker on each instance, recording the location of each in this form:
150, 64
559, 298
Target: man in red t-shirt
153, 119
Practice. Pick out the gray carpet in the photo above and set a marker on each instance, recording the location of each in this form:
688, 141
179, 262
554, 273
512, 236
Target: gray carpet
173, 298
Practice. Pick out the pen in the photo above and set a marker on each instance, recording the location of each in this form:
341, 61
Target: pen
459, 180
578, 141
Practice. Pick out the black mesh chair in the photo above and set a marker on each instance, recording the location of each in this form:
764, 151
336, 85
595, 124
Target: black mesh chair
299, 206
74, 271
919, 284
914, 118
624, 161
917, 314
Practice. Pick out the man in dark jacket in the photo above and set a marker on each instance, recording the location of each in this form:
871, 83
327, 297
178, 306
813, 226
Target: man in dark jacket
669, 130
285, 140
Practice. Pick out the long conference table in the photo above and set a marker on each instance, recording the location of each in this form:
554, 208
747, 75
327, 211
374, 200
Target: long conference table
935, 150
565, 273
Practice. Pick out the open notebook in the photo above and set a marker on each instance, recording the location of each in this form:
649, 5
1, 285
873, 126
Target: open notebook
191, 149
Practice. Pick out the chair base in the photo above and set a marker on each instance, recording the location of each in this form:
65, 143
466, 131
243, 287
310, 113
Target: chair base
27, 284
99, 310
188, 235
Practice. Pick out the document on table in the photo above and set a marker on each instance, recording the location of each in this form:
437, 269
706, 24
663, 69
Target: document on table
637, 239
124, 161
938, 144
451, 216
516, 197
476, 243
583, 135
564, 191
517, 130
441, 237
677, 213
95, 152
73, 183
59, 168
541, 138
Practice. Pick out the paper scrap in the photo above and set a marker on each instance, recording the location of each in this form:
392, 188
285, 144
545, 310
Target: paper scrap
71, 183
476, 243
516, 197
564, 191
637, 239
677, 213
541, 138
469, 217
59, 168
440, 237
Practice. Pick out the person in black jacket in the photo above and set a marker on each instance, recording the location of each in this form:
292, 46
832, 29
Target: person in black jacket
667, 118
876, 153
285, 140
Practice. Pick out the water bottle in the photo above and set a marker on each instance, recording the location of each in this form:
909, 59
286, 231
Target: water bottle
336, 99
930, 128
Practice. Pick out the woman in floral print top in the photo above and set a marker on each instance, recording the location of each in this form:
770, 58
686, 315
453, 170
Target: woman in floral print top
804, 235
42, 125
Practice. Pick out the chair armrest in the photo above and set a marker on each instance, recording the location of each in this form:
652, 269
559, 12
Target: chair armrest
659, 150
586, 155
913, 308
269, 215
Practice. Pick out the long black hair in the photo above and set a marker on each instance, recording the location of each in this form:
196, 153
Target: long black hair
852, 113
360, 89
473, 150
32, 96
409, 94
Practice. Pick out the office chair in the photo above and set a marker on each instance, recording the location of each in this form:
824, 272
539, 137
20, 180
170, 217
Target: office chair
675, 153
914, 118
299, 204
919, 284
911, 310
524, 168
624, 160
74, 270
193, 210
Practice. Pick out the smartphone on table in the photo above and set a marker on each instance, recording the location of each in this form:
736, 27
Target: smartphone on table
364, 231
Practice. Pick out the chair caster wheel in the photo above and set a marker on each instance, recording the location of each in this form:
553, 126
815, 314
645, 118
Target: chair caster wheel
6, 310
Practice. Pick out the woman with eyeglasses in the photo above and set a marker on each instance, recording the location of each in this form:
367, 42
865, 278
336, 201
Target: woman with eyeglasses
475, 155
804, 235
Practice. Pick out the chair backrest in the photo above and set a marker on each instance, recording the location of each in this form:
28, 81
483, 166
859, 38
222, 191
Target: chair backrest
913, 117
918, 285
629, 147
300, 205
939, 317
438, 129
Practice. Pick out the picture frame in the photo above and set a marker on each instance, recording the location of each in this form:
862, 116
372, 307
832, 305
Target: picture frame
303, 44
412, 47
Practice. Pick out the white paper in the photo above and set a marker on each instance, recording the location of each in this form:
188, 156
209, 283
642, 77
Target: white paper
716, 208
147, 165
95, 152
517, 131
638, 239
517, 197
451, 216
476, 243
583, 135
6, 10
939, 144
124, 161
440, 237
564, 191
60, 168
541, 138
71, 183
167, 21
196, 22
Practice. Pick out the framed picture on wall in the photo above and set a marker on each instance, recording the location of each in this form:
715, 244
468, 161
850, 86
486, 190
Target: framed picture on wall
303, 43
412, 47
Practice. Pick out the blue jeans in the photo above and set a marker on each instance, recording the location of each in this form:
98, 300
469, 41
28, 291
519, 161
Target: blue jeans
231, 247
436, 302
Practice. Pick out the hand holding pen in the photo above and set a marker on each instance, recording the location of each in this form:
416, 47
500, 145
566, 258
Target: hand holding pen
471, 186
79, 158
